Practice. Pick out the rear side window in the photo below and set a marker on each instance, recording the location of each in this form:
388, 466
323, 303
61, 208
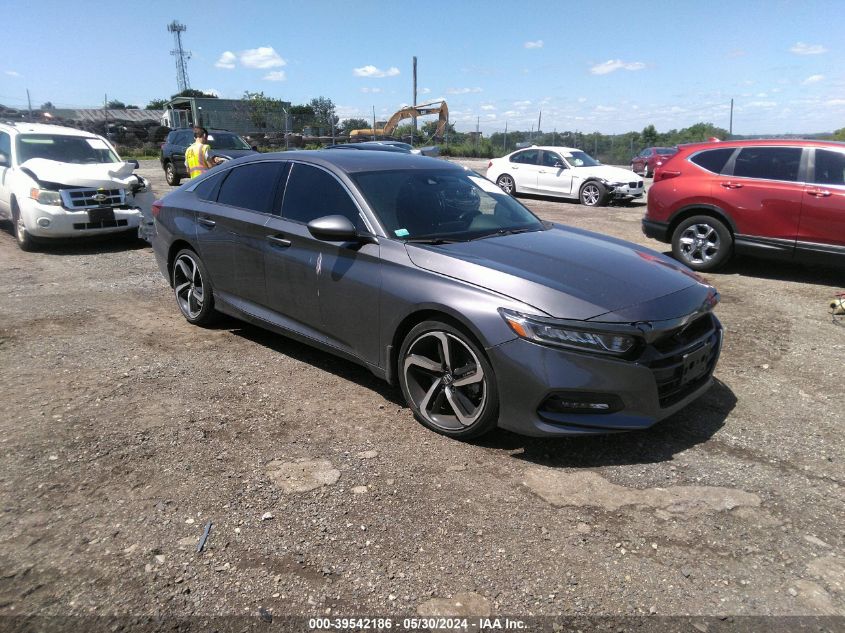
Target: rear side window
312, 193
208, 188
713, 159
251, 186
528, 157
769, 163
6, 145
830, 168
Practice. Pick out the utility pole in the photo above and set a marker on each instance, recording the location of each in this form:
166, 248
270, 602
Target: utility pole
414, 102
731, 129
374, 123
477, 132
29, 102
505, 141
539, 119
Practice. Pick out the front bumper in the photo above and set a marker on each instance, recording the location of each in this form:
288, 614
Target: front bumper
50, 221
648, 389
627, 191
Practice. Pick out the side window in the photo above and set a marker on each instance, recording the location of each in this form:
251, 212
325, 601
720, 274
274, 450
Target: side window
252, 186
714, 159
312, 193
528, 157
550, 159
208, 188
830, 167
6, 145
770, 163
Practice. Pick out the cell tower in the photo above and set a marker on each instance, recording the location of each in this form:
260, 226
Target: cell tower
182, 56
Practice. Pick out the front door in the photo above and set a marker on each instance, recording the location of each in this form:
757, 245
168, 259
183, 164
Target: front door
553, 176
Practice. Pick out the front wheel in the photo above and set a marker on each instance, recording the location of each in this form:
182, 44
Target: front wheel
593, 194
646, 173
447, 381
702, 242
194, 294
506, 183
22, 236
170, 175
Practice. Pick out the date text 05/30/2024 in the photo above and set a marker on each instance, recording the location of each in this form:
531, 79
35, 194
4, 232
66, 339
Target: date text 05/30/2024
416, 623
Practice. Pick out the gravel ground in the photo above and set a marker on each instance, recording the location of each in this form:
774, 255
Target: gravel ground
126, 430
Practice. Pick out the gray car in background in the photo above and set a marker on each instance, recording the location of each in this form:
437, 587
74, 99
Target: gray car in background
431, 277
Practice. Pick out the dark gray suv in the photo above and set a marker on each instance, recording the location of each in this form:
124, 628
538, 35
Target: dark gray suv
430, 276
226, 145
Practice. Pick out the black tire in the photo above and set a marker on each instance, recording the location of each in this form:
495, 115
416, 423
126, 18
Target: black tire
702, 242
435, 394
646, 174
22, 236
171, 175
187, 274
507, 184
593, 194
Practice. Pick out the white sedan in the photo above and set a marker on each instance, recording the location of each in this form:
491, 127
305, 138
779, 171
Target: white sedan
564, 172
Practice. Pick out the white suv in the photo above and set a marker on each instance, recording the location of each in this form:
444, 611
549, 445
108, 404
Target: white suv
565, 172
62, 182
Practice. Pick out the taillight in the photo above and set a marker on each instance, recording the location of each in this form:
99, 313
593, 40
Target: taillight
665, 174
157, 208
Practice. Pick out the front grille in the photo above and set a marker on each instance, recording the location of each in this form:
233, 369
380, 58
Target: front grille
105, 224
77, 199
675, 352
635, 185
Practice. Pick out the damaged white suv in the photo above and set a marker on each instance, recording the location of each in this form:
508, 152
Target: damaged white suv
62, 182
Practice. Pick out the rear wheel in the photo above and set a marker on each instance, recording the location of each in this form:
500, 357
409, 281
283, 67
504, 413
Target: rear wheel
646, 173
593, 194
194, 294
170, 174
702, 242
22, 236
447, 381
506, 184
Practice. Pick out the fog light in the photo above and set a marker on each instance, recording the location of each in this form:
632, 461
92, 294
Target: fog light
591, 403
44, 222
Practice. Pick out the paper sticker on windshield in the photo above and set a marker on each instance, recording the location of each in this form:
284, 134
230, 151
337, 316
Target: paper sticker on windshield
96, 143
484, 184
401, 232
567, 154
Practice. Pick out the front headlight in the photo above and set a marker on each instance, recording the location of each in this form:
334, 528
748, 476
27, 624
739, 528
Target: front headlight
45, 196
560, 334
141, 186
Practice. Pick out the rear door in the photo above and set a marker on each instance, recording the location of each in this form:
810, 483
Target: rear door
524, 167
822, 227
763, 195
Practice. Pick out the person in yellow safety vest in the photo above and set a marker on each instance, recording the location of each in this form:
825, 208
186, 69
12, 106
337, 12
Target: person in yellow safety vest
197, 159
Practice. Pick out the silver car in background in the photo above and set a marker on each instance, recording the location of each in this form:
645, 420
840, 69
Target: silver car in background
431, 277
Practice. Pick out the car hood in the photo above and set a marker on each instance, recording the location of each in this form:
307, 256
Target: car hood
572, 274
75, 175
606, 172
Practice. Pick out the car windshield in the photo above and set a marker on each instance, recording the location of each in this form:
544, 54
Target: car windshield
666, 151
580, 159
226, 141
439, 205
65, 149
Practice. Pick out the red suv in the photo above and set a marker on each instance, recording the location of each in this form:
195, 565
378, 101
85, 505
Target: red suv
775, 198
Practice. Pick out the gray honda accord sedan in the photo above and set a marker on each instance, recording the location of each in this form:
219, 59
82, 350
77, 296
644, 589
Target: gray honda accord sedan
431, 277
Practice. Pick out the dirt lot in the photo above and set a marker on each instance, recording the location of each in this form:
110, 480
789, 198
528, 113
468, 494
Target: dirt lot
125, 430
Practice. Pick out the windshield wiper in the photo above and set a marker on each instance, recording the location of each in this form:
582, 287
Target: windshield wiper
500, 232
431, 240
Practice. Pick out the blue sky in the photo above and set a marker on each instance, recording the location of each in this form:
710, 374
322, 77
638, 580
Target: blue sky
589, 65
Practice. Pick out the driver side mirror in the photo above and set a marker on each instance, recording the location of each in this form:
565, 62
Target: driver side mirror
337, 228
134, 162
4, 160
560, 165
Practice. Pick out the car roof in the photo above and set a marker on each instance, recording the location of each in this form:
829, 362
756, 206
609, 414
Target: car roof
795, 142
550, 148
354, 162
46, 128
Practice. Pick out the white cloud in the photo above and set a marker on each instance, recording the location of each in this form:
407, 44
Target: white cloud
372, 71
835, 102
261, 57
462, 91
601, 108
276, 75
227, 60
612, 65
582, 99
534, 44
12, 73
366, 90
521, 104
800, 48
813, 79
425, 91
488, 107
761, 104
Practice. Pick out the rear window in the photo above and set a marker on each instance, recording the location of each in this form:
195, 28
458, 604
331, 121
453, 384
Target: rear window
252, 186
665, 151
713, 159
528, 157
769, 163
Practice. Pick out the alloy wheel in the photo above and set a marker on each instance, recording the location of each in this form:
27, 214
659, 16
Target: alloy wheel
188, 284
445, 380
590, 195
699, 244
506, 184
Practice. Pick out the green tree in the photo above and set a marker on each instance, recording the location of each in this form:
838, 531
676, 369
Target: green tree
347, 125
324, 112
263, 111
48, 106
839, 135
157, 104
650, 136
301, 116
199, 94
115, 105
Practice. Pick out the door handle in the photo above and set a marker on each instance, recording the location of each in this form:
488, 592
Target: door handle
731, 185
276, 240
819, 193
207, 222
542, 171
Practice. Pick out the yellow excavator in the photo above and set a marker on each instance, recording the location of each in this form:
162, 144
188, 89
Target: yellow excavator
411, 112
